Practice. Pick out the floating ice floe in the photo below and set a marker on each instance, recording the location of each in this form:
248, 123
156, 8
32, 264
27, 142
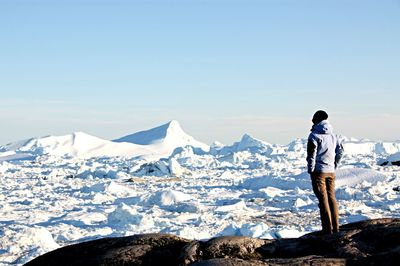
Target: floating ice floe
160, 168
302, 203
168, 197
237, 207
368, 147
351, 177
125, 216
111, 188
281, 182
289, 233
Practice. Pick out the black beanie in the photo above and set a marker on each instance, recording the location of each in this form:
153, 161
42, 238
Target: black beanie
319, 116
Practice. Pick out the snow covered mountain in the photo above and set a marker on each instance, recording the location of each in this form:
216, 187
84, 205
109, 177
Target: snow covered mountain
162, 141
154, 143
77, 144
165, 138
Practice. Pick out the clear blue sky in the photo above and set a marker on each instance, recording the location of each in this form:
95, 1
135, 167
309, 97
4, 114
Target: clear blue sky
221, 68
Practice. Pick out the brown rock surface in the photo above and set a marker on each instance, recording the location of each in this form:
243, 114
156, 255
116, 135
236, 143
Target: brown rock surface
371, 242
150, 249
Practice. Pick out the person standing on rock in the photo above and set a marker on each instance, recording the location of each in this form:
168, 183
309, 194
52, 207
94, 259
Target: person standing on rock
324, 152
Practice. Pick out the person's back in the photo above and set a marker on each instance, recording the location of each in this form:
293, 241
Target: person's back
325, 143
323, 155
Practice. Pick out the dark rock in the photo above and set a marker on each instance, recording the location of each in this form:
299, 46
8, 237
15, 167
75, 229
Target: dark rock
229, 262
233, 246
308, 260
240, 247
384, 163
396, 163
191, 253
371, 242
151, 249
365, 241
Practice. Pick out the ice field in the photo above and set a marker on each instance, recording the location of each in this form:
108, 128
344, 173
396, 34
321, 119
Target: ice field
60, 190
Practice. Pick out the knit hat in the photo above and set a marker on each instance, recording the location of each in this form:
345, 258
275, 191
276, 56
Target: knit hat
319, 116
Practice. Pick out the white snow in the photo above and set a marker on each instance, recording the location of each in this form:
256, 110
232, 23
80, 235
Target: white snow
367, 147
154, 143
77, 144
57, 191
164, 139
351, 177
168, 197
124, 215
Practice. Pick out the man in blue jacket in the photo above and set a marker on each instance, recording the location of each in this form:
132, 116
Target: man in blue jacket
324, 152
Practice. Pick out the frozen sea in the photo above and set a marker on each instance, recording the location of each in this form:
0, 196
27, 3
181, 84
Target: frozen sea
59, 191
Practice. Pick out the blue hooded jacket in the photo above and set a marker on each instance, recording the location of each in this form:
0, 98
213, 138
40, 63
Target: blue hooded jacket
324, 151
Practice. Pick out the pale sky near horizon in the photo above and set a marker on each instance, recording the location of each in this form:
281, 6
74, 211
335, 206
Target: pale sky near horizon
221, 68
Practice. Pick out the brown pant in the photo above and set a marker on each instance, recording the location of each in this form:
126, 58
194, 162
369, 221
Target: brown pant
324, 188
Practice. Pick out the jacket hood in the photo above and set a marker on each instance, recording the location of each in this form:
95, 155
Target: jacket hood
322, 127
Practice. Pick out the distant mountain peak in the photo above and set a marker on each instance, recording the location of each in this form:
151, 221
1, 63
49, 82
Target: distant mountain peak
173, 123
247, 136
153, 143
249, 141
153, 135
169, 135
173, 127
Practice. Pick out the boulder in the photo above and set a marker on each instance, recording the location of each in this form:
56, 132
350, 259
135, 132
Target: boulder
148, 249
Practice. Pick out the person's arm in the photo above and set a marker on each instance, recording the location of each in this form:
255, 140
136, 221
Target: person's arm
311, 154
339, 153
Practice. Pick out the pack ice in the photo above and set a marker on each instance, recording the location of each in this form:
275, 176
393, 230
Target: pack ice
60, 190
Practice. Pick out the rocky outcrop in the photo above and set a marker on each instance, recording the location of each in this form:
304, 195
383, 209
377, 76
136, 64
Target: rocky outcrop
238, 247
362, 243
371, 242
150, 249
